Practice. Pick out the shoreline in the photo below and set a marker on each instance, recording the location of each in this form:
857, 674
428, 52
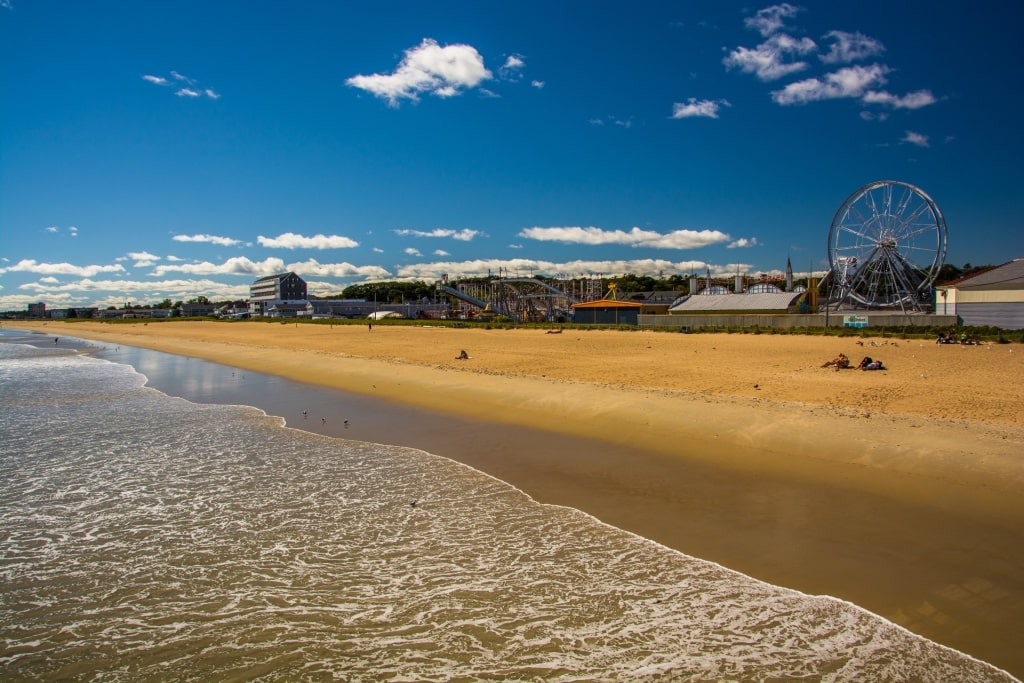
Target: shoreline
911, 515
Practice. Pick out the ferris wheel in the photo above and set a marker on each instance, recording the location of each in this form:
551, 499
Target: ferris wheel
886, 245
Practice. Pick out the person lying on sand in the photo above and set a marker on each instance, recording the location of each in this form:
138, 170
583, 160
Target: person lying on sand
839, 362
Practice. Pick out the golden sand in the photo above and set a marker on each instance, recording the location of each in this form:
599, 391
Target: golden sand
901, 490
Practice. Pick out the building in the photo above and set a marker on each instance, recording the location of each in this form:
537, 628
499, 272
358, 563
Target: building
993, 298
280, 288
607, 311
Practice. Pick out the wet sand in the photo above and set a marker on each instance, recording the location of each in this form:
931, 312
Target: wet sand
900, 491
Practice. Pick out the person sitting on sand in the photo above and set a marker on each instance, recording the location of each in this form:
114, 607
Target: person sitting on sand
839, 362
873, 365
462, 356
864, 362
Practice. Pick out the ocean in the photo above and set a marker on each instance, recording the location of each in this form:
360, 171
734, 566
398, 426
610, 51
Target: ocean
149, 537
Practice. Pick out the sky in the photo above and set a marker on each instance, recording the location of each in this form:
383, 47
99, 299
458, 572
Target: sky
154, 150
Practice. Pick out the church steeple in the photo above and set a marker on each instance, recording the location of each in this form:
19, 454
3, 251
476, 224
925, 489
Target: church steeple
789, 275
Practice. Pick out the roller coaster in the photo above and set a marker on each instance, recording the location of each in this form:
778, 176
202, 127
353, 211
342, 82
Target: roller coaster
520, 299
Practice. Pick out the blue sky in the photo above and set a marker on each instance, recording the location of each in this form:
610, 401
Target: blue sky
153, 150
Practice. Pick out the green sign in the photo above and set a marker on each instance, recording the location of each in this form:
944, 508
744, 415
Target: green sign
855, 321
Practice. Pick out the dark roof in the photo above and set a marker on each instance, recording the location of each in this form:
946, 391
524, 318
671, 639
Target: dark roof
1008, 273
274, 277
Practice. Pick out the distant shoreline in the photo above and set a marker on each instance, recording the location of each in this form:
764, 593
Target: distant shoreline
883, 488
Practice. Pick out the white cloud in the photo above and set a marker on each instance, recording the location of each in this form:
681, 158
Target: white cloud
742, 243
187, 92
378, 250
73, 230
412, 251
677, 239
514, 62
239, 265
441, 252
311, 267
769, 60
183, 79
539, 85
693, 107
50, 280
158, 80
872, 116
427, 68
464, 235
913, 138
143, 259
52, 228
851, 81
850, 47
104, 293
771, 19
33, 266
209, 92
913, 100
212, 239
291, 240
482, 267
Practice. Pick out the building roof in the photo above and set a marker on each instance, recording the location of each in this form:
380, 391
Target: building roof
278, 276
1011, 273
608, 303
769, 301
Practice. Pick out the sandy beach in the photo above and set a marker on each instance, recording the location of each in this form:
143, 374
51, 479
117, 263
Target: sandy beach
899, 490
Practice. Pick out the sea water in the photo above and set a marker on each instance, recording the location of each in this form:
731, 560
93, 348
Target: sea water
146, 537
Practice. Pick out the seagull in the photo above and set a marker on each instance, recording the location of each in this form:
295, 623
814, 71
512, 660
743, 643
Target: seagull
414, 503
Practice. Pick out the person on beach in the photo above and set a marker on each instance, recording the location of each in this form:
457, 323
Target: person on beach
462, 356
839, 362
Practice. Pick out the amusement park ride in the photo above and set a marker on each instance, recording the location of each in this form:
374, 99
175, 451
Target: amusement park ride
886, 245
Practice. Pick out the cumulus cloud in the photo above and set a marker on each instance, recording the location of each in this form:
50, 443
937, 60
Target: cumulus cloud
102, 293
291, 240
441, 252
212, 239
913, 138
851, 81
52, 228
771, 19
427, 68
850, 47
464, 235
143, 259
913, 100
239, 265
700, 108
608, 268
33, 266
412, 251
677, 239
311, 267
539, 85
742, 243
770, 60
